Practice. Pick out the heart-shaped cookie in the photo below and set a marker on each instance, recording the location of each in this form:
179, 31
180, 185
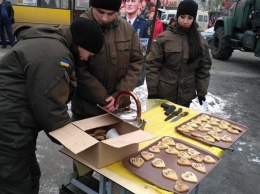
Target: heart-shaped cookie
222, 126
196, 134
205, 116
192, 124
208, 159
147, 155
197, 121
162, 145
171, 150
181, 187
203, 129
183, 129
183, 154
154, 149
170, 174
187, 127
192, 152
197, 158
168, 140
226, 138
137, 161
181, 147
206, 125
199, 167
214, 119
209, 138
224, 122
183, 162
236, 127
231, 130
189, 176
158, 163
213, 123
214, 134
218, 130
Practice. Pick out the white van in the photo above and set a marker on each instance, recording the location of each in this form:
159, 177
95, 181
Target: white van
167, 15
202, 18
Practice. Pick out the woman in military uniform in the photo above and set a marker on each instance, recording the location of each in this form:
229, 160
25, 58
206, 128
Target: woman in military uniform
178, 65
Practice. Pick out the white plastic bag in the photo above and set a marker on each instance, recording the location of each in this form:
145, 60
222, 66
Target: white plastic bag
196, 105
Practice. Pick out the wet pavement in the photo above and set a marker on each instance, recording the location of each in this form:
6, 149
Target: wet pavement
234, 94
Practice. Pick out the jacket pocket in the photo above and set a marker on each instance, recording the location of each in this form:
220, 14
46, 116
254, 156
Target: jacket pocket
167, 88
172, 55
123, 49
60, 89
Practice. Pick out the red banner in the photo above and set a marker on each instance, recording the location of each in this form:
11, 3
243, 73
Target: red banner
170, 3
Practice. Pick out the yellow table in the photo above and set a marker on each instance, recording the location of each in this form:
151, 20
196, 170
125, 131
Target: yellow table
157, 126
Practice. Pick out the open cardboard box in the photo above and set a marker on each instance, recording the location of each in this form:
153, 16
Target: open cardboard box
76, 137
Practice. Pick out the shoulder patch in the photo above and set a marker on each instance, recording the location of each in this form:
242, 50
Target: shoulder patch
64, 62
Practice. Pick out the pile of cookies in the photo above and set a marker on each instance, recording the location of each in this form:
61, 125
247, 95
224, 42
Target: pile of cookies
182, 154
99, 134
210, 129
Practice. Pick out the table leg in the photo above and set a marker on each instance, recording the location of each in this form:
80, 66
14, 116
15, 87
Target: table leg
83, 187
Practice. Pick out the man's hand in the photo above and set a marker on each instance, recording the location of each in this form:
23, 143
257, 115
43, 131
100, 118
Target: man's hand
110, 106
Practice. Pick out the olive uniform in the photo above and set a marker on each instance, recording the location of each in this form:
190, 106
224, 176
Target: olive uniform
168, 74
116, 68
36, 78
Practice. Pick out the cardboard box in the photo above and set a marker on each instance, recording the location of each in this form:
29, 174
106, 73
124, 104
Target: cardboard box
75, 136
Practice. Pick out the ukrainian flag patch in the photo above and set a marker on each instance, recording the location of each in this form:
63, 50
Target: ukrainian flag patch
64, 62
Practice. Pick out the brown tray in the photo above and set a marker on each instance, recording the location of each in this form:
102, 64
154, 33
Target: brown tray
154, 175
220, 144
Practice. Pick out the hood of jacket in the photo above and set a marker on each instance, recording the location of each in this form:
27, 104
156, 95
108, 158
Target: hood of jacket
61, 33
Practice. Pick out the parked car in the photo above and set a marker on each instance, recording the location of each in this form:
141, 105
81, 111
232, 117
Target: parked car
208, 35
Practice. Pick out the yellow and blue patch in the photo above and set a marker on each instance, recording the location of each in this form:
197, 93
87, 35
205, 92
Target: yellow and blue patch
64, 62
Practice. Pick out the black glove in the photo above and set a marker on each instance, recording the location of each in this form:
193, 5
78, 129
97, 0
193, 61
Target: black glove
201, 98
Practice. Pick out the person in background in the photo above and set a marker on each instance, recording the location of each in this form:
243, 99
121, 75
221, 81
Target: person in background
6, 21
210, 24
116, 68
158, 27
37, 79
172, 21
122, 11
140, 25
144, 10
151, 4
142, 28
178, 65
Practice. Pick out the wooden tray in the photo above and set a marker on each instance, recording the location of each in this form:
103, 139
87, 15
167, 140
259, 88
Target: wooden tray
220, 144
154, 175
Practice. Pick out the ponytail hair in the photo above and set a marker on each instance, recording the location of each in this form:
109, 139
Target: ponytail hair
195, 47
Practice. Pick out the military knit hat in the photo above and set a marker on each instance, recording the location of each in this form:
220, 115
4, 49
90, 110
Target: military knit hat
113, 5
187, 7
87, 34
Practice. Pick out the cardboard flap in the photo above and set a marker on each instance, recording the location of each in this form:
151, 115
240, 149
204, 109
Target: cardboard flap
73, 138
95, 122
129, 138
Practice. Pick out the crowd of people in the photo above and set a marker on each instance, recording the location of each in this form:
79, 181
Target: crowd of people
89, 63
